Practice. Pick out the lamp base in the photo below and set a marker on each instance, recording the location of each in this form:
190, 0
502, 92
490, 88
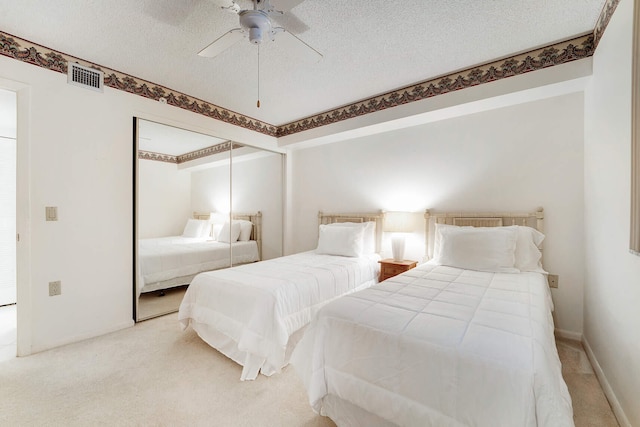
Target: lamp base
397, 247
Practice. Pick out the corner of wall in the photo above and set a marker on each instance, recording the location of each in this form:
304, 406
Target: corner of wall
606, 387
570, 335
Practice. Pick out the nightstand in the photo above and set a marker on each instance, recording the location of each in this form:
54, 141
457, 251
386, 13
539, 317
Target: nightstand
390, 268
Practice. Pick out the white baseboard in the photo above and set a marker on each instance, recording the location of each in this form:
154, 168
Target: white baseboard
570, 335
606, 387
82, 337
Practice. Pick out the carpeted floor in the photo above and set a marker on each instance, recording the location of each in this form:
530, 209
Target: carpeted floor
590, 406
154, 374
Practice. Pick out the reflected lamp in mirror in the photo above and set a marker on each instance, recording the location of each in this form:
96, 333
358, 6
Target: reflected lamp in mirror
397, 223
218, 218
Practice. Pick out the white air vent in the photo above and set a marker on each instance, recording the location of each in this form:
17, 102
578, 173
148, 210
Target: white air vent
86, 77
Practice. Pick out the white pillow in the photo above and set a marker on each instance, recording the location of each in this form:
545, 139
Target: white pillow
229, 233
527, 254
194, 227
368, 235
343, 241
479, 248
437, 238
206, 230
216, 231
245, 229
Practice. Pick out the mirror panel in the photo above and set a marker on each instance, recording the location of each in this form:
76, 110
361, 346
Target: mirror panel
167, 231
184, 179
257, 186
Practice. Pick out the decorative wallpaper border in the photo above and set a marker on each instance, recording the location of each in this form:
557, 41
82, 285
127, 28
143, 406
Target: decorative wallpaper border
603, 20
559, 53
193, 155
158, 157
556, 54
209, 151
35, 54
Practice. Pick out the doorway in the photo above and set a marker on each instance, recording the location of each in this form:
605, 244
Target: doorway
8, 289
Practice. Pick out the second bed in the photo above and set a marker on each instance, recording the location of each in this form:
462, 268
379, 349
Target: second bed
445, 344
254, 314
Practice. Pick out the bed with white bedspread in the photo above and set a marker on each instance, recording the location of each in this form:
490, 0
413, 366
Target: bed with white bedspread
254, 314
167, 262
172, 261
440, 345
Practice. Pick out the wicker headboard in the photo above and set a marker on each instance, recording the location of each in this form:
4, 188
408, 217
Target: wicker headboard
377, 217
478, 219
255, 218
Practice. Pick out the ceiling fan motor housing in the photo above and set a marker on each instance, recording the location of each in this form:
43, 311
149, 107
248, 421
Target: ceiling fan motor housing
257, 23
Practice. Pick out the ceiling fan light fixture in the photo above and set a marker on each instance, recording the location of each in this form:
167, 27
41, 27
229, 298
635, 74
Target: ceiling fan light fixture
255, 35
257, 23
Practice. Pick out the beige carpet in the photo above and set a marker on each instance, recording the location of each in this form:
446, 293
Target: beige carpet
150, 375
156, 375
590, 406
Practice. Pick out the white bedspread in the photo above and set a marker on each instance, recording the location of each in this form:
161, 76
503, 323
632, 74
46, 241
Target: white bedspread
166, 258
438, 346
249, 312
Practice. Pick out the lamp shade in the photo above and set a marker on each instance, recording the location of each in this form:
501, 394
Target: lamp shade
218, 218
397, 222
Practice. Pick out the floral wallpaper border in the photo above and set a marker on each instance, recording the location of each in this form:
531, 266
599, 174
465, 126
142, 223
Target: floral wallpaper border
559, 53
32, 53
198, 154
556, 54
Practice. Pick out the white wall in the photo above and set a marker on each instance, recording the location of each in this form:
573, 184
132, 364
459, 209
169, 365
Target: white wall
257, 186
164, 199
8, 219
210, 190
8, 116
516, 158
75, 152
612, 289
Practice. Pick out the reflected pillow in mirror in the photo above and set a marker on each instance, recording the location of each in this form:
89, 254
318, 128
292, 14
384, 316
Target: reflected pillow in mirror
229, 233
245, 229
216, 231
194, 228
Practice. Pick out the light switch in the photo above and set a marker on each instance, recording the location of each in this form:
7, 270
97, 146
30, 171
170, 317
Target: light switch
52, 213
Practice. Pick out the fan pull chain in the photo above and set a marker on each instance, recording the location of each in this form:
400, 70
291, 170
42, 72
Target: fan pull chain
258, 103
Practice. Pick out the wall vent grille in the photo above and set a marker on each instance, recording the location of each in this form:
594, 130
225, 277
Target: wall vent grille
79, 75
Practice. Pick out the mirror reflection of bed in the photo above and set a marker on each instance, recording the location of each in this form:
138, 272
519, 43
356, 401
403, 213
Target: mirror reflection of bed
209, 242
185, 186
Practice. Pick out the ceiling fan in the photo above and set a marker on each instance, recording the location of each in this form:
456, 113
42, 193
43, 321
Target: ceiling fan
257, 25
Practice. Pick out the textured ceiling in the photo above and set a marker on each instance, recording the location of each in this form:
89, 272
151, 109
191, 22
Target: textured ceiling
369, 47
160, 138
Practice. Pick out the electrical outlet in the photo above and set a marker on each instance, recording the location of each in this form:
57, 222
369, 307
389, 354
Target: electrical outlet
553, 280
55, 288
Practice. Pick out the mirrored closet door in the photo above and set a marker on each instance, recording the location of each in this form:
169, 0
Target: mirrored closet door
186, 217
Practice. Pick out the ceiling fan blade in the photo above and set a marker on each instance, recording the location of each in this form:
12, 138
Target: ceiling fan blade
223, 43
294, 44
229, 5
292, 22
286, 5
